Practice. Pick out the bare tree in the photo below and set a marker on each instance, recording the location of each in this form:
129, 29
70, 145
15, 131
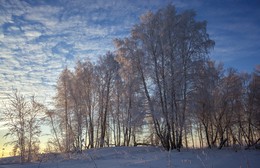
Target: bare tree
249, 121
87, 95
164, 48
33, 127
51, 117
64, 106
107, 72
23, 121
15, 116
132, 99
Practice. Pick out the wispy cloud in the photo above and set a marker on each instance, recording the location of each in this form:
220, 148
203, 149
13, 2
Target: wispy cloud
39, 38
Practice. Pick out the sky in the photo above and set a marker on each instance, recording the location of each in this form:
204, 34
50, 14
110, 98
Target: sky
39, 38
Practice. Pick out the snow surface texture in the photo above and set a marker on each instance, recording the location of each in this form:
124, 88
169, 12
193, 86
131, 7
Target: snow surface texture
145, 157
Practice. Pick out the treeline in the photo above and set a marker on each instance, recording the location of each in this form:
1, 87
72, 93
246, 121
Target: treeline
159, 87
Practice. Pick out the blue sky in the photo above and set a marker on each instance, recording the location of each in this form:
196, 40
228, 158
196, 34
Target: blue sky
38, 38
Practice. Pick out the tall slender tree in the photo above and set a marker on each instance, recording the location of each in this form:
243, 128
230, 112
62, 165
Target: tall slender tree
63, 105
107, 72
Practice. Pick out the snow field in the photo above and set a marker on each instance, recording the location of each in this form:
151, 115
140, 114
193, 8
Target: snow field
145, 157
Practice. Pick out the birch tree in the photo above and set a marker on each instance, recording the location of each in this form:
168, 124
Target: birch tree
164, 47
106, 72
23, 120
63, 108
87, 96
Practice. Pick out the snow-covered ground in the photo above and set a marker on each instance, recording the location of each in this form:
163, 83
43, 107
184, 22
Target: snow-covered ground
146, 157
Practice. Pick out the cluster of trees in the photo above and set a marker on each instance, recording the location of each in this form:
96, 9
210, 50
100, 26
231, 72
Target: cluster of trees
226, 106
23, 119
96, 107
158, 87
